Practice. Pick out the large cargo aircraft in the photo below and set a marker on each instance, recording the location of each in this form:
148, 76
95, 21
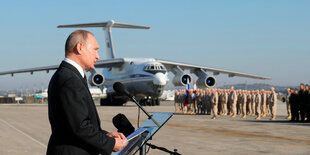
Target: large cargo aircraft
143, 77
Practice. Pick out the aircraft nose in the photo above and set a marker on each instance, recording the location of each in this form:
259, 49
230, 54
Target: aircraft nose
160, 79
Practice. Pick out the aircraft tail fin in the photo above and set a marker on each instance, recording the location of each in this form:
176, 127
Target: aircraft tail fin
105, 24
108, 33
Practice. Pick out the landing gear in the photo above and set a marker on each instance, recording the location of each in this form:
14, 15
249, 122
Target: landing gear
113, 100
150, 102
158, 102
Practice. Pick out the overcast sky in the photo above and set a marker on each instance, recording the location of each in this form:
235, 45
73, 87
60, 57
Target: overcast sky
265, 37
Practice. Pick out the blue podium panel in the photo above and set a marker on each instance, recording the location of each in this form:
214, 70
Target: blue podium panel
144, 133
151, 127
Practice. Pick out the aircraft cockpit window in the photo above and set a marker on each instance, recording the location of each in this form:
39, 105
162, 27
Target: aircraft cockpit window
154, 68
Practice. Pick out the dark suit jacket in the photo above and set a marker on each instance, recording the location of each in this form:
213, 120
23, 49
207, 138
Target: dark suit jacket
73, 116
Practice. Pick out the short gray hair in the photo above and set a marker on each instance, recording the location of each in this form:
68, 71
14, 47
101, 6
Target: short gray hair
74, 38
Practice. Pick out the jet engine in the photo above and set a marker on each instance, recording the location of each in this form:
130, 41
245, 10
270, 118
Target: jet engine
181, 79
96, 79
205, 81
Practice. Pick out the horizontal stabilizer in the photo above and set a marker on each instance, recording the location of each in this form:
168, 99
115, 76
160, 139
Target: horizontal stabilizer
105, 24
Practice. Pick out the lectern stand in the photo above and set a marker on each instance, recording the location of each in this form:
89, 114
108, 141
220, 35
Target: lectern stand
137, 140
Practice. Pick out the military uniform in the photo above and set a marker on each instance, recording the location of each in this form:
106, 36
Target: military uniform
249, 99
253, 104
263, 104
176, 102
208, 101
221, 103
273, 104
233, 103
258, 104
199, 98
288, 105
203, 103
225, 103
268, 104
214, 104
239, 104
182, 100
244, 103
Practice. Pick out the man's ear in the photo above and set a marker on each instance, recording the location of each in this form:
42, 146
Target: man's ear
79, 48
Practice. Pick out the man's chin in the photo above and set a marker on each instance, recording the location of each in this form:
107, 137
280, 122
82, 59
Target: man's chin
90, 68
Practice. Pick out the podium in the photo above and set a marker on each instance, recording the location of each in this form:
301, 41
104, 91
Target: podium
138, 139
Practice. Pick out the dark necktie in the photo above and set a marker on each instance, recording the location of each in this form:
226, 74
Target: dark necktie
85, 78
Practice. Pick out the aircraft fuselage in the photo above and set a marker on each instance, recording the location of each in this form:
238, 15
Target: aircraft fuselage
142, 77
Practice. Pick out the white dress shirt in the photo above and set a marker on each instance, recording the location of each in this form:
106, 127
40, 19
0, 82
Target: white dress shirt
77, 66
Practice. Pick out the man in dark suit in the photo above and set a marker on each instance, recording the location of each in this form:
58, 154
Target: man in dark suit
72, 113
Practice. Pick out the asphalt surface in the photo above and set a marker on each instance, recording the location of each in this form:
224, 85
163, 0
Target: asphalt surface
25, 130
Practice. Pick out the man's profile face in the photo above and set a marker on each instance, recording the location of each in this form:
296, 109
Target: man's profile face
301, 87
90, 52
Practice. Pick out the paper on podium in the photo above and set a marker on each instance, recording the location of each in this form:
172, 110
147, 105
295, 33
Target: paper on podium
134, 141
144, 133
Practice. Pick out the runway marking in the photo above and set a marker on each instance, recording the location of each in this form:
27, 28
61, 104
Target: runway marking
237, 133
23, 133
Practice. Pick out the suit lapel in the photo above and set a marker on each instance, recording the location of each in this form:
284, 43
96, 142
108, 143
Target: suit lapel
92, 105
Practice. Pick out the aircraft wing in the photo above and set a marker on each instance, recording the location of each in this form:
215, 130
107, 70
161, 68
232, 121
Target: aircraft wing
99, 64
30, 70
171, 64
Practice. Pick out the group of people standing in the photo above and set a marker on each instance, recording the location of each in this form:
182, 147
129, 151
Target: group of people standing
227, 102
298, 103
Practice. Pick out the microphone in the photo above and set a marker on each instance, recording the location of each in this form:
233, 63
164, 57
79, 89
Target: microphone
122, 124
119, 88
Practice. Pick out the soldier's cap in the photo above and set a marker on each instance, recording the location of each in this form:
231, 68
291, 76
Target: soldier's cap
307, 85
296, 89
301, 84
291, 88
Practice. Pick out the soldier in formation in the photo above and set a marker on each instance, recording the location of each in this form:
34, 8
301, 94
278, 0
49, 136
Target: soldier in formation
235, 102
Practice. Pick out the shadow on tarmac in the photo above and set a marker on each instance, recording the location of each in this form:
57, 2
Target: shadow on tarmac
280, 122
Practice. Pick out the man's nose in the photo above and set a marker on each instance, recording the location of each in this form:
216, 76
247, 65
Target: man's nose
97, 56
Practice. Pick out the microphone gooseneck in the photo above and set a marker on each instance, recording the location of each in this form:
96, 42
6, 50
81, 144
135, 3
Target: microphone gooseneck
119, 88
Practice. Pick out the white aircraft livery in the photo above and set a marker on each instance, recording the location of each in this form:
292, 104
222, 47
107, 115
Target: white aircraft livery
145, 78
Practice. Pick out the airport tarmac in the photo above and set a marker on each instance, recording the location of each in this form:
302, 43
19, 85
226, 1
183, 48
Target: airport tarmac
25, 130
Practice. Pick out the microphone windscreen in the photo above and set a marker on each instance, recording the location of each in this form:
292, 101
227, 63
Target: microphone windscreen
118, 87
123, 125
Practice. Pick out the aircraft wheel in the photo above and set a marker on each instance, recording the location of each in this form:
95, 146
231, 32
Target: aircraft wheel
153, 102
157, 102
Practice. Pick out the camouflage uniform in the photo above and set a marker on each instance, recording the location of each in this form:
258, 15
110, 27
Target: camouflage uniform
244, 103
273, 104
233, 103
258, 104
214, 104
263, 103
